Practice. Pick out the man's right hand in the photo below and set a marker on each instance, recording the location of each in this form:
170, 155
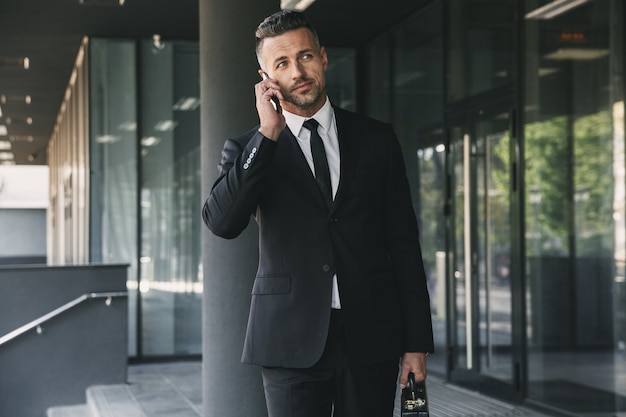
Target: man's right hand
272, 121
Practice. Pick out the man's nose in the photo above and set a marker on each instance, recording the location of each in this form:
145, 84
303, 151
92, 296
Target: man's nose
297, 71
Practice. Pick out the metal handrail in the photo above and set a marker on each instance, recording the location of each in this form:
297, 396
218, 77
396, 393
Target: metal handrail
39, 321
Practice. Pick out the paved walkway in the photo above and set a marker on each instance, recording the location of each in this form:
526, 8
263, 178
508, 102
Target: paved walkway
168, 389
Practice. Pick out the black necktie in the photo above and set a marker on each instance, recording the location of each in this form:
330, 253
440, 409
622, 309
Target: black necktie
320, 162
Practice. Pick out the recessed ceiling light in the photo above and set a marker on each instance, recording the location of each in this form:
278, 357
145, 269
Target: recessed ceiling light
165, 125
6, 156
15, 98
545, 71
21, 138
299, 5
3, 130
5, 145
128, 126
187, 103
102, 2
150, 141
554, 9
157, 41
577, 54
14, 63
108, 139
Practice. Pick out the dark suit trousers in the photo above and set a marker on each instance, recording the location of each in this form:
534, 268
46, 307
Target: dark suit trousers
335, 386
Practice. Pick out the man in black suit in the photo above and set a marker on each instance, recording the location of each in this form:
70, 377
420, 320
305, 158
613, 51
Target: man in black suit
340, 293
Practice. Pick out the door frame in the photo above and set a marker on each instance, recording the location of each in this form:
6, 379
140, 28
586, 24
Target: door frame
465, 114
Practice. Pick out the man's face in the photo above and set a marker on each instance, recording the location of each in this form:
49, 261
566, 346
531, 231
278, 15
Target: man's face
298, 65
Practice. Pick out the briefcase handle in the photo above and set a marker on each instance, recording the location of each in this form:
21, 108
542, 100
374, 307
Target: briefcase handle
414, 401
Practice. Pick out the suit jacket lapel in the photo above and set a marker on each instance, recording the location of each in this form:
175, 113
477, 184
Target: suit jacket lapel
295, 167
348, 134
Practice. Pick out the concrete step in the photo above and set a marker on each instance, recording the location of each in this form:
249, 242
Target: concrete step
113, 401
102, 401
80, 410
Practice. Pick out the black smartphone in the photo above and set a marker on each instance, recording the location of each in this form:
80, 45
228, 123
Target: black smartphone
274, 98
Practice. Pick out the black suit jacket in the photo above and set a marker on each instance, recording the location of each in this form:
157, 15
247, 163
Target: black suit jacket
369, 238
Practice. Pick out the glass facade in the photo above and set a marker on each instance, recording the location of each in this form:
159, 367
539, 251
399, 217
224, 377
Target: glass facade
574, 204
481, 68
480, 47
125, 184
511, 116
145, 181
341, 83
113, 162
170, 274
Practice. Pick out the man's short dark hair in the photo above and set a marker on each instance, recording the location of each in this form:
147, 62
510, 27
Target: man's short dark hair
280, 23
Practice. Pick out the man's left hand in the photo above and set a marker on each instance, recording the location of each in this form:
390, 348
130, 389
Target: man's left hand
413, 362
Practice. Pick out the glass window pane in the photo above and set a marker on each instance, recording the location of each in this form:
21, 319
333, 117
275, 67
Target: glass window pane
418, 74
480, 52
416, 88
113, 161
340, 77
574, 151
378, 56
170, 284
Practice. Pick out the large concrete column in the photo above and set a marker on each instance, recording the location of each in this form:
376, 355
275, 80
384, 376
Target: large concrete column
228, 73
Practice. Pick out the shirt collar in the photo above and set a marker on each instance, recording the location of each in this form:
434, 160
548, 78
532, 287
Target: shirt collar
323, 117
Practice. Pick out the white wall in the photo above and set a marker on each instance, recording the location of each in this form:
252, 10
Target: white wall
24, 186
23, 205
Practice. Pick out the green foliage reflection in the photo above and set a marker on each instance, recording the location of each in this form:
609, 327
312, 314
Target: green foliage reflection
569, 185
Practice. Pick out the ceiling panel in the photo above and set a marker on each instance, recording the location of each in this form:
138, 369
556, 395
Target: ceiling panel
49, 33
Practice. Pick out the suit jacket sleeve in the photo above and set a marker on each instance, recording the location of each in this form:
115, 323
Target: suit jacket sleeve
234, 196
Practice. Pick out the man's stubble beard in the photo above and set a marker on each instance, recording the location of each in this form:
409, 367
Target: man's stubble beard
306, 101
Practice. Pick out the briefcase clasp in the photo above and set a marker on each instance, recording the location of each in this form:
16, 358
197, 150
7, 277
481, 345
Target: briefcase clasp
414, 403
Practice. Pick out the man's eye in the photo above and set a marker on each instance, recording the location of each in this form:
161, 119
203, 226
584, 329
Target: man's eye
281, 65
307, 56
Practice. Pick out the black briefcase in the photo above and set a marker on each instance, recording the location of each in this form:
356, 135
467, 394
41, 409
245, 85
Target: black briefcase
414, 402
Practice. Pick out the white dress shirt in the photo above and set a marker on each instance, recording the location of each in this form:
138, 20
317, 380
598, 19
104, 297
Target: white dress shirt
328, 132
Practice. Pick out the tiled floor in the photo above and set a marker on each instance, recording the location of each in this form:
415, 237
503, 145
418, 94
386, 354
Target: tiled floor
175, 390
170, 389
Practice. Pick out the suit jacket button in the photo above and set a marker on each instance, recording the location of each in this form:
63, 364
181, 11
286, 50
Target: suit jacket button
326, 268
